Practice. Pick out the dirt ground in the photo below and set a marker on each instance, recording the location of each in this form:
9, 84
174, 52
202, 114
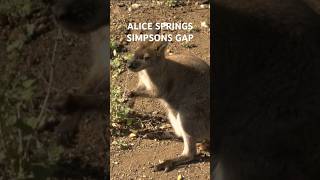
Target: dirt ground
87, 157
135, 161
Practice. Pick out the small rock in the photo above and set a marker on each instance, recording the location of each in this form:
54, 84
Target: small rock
155, 113
114, 52
203, 6
180, 177
165, 126
114, 125
132, 135
121, 4
160, 3
135, 6
204, 24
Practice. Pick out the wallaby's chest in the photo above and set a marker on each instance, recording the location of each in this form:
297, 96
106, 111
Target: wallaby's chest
146, 80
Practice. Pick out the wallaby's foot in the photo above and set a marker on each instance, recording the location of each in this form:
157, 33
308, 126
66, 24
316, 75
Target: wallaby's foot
66, 130
166, 166
169, 165
203, 146
188, 154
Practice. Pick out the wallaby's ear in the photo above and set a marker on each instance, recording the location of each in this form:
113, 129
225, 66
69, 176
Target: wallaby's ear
160, 46
155, 30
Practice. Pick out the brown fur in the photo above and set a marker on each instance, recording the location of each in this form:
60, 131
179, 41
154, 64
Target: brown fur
181, 82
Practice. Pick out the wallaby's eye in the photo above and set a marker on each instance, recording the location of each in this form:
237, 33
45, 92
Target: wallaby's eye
146, 56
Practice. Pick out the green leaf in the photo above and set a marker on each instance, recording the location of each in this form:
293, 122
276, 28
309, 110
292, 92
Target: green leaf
129, 122
27, 94
42, 171
30, 29
32, 122
2, 156
113, 45
28, 83
26, 8
12, 119
24, 127
17, 44
54, 153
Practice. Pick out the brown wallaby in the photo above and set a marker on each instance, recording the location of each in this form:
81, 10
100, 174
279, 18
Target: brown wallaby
182, 83
85, 17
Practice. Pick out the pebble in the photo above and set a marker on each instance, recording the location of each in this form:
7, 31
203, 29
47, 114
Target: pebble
135, 6
203, 6
121, 4
132, 135
160, 3
204, 24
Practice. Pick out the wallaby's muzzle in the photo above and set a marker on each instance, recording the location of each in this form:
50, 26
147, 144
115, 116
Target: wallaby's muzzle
133, 65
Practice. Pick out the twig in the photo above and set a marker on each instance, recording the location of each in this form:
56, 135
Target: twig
44, 105
125, 85
45, 102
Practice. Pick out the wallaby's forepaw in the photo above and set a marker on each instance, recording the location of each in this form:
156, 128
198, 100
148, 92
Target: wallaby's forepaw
130, 94
166, 166
128, 98
64, 104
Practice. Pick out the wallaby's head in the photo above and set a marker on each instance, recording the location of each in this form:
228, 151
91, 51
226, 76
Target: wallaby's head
80, 16
149, 54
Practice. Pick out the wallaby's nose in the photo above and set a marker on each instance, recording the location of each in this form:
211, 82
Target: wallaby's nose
131, 65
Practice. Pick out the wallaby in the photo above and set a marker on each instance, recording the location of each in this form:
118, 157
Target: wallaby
182, 83
267, 90
85, 17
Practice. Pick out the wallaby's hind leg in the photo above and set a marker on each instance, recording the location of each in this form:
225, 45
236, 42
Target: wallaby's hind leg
185, 125
189, 144
188, 154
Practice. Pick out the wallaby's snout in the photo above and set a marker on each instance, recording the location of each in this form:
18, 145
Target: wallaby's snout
147, 56
133, 65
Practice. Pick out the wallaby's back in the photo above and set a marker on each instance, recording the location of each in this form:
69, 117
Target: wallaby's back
190, 92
